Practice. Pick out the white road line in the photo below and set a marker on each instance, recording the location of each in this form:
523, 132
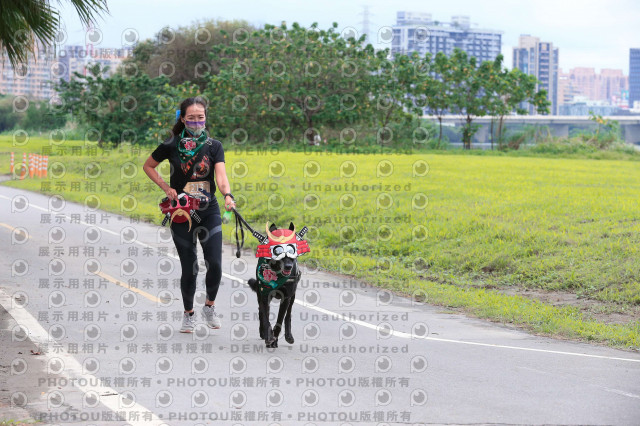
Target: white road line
462, 342
395, 333
623, 393
39, 335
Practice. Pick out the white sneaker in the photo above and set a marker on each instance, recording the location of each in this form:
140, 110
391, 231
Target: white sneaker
188, 323
211, 317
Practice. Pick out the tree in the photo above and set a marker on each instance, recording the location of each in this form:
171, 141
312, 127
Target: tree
8, 118
392, 87
40, 117
115, 108
467, 91
435, 88
388, 86
184, 54
290, 81
23, 22
506, 91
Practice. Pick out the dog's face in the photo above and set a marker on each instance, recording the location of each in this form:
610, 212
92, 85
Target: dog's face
283, 266
282, 247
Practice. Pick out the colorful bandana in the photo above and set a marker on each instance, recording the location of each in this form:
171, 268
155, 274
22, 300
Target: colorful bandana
188, 147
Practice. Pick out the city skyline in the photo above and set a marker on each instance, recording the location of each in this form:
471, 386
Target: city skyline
598, 34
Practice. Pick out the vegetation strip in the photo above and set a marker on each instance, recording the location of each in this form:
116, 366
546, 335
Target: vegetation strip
458, 231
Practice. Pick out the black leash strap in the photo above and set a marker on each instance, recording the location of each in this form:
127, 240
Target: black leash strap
240, 223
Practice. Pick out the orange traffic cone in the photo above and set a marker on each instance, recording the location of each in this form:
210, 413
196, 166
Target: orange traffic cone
31, 166
23, 170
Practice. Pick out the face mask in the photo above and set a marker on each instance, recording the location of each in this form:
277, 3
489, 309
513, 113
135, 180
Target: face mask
195, 127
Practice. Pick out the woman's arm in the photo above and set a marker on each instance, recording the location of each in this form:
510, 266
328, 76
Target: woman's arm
223, 184
149, 168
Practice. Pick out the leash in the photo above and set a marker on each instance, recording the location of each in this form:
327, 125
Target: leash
241, 223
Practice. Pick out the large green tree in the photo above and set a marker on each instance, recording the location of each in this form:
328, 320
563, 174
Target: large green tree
467, 89
183, 54
391, 85
23, 22
115, 109
289, 81
433, 88
507, 91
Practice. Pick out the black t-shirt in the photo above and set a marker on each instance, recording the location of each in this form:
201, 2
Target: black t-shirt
203, 170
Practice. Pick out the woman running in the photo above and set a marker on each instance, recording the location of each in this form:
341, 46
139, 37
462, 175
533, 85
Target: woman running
195, 159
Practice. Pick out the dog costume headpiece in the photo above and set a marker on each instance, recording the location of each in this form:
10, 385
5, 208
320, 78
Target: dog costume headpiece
283, 242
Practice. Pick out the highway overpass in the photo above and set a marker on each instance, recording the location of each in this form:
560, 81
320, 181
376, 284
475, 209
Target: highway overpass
561, 126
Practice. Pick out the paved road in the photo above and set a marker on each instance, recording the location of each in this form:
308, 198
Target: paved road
99, 297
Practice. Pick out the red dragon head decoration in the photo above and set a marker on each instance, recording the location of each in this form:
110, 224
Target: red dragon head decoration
180, 210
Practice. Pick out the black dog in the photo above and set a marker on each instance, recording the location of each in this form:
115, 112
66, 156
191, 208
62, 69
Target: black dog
277, 275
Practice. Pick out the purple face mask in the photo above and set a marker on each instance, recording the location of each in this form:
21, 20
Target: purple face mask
195, 127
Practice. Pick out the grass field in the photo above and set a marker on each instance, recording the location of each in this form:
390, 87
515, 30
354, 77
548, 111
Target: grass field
551, 245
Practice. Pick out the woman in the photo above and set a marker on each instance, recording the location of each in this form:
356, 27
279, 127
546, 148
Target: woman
195, 159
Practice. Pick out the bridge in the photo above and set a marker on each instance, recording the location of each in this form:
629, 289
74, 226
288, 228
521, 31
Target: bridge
559, 125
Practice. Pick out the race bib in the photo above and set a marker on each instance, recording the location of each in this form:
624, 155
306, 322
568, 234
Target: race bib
193, 188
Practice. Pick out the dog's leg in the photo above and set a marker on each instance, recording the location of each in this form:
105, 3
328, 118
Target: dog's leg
288, 336
261, 325
269, 338
265, 327
287, 321
281, 314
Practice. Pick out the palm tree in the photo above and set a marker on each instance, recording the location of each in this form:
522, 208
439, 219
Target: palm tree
22, 22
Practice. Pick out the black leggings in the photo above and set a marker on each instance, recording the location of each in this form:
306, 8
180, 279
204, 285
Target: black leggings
209, 231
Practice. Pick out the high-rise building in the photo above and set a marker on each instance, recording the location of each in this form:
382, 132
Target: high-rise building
567, 89
35, 78
540, 59
72, 59
31, 79
418, 32
609, 85
634, 77
109, 57
585, 81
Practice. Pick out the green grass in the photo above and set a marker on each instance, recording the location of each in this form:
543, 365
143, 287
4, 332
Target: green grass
491, 223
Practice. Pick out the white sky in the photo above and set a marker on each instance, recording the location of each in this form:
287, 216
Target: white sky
589, 33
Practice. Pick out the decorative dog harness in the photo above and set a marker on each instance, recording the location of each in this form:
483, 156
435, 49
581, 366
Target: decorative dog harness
180, 210
270, 279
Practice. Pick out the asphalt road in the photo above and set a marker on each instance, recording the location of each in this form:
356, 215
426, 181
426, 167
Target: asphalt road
99, 297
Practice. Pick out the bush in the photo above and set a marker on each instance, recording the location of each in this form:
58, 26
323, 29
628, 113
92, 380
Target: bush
8, 118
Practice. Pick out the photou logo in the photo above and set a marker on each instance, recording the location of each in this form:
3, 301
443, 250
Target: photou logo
92, 266
346, 365
274, 365
310, 365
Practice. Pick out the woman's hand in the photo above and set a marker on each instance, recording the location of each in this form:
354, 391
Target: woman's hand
172, 194
229, 203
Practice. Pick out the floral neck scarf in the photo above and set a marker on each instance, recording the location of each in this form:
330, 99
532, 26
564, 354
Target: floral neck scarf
189, 146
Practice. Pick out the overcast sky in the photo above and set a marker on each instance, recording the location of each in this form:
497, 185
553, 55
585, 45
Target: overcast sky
589, 33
